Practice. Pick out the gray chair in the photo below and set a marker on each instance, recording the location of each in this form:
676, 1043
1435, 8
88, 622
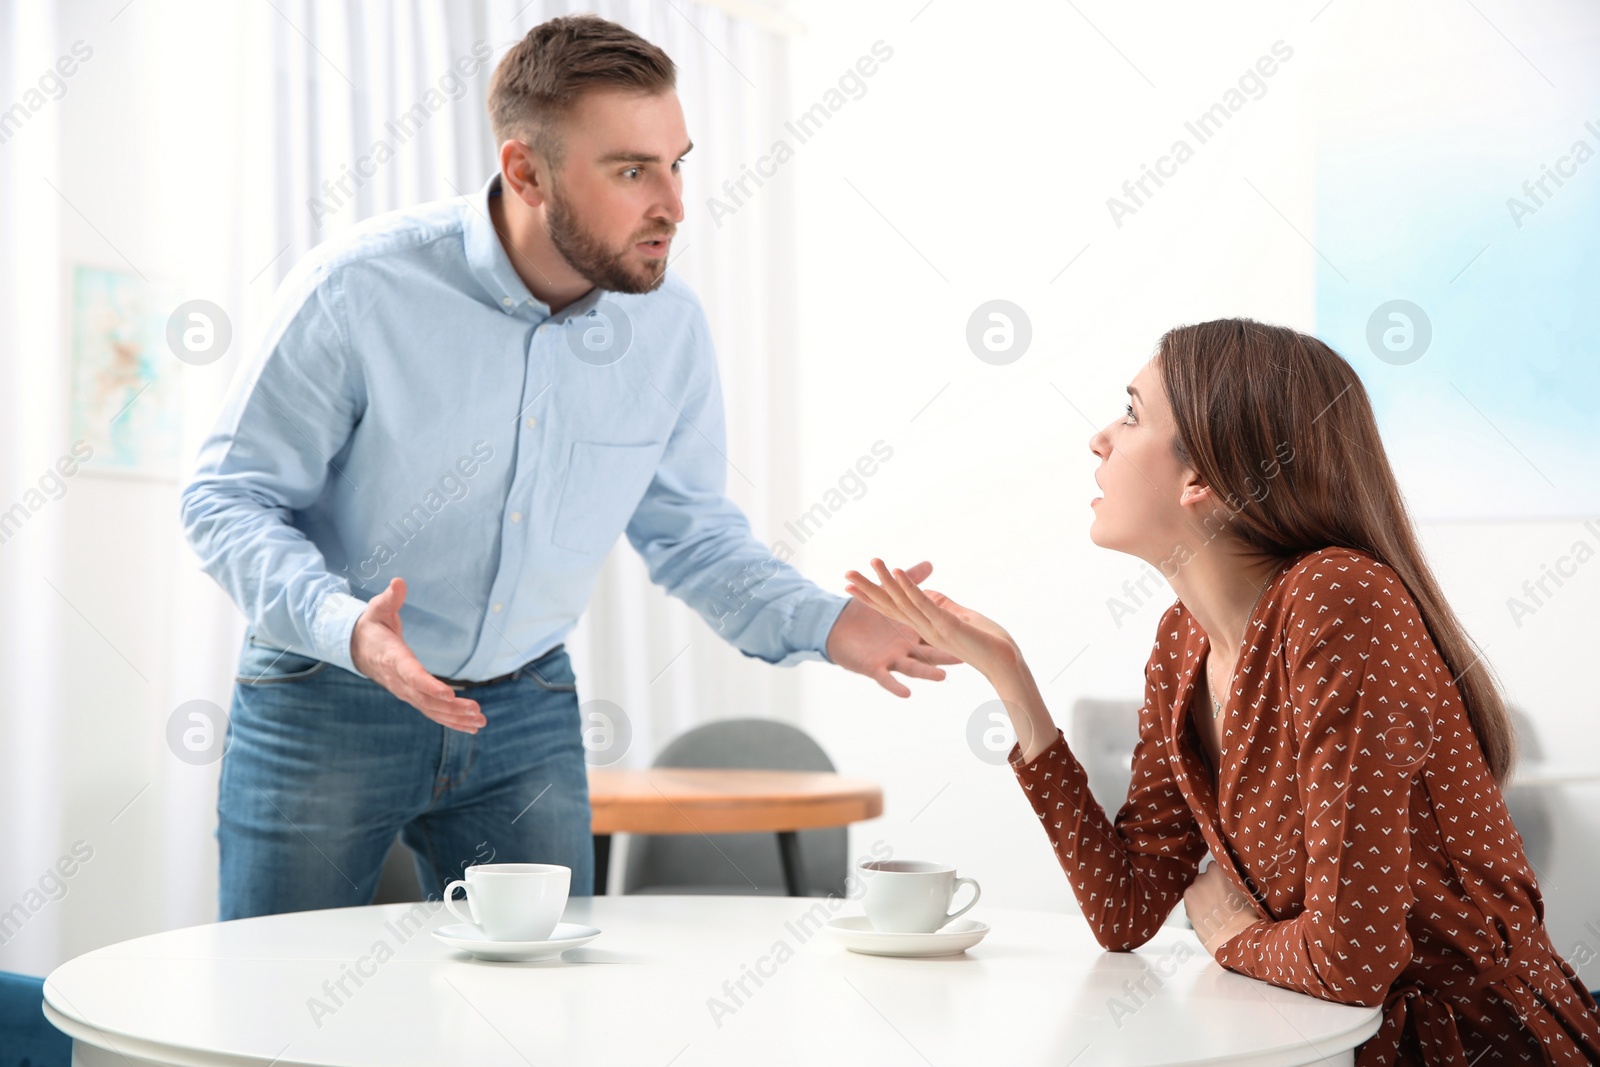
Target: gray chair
1531, 809
1104, 735
753, 863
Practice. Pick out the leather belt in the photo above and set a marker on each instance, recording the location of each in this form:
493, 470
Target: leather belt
467, 683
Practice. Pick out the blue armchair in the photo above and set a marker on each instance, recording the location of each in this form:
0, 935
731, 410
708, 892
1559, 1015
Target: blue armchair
26, 1037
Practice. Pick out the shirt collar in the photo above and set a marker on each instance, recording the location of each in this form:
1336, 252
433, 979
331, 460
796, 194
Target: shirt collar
487, 259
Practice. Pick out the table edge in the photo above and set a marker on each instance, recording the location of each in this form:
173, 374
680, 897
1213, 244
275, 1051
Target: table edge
126, 1045
121, 1043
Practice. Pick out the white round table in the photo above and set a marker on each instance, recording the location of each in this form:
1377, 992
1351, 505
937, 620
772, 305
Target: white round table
679, 981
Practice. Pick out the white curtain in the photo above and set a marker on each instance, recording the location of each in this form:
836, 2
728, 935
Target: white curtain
32, 432
635, 648
242, 113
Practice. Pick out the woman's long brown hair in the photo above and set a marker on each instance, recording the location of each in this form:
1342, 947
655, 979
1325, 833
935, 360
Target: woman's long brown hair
1245, 395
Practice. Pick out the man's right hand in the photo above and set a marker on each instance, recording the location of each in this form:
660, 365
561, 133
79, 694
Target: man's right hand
380, 653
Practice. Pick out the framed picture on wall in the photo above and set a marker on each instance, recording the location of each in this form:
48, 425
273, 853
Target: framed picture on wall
125, 393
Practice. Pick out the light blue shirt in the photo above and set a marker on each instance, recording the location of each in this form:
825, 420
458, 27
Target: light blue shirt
414, 411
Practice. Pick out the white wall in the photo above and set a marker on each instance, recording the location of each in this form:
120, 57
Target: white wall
144, 181
976, 166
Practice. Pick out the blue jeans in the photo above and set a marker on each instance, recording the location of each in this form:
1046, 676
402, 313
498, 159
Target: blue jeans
323, 767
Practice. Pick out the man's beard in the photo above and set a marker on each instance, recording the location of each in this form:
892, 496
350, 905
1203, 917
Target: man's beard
589, 256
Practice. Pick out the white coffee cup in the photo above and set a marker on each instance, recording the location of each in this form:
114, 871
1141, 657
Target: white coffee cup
912, 896
513, 901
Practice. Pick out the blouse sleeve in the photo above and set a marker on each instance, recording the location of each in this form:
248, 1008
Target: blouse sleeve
1362, 708
1127, 875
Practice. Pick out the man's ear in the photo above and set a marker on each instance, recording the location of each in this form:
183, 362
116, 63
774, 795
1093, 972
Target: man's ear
525, 173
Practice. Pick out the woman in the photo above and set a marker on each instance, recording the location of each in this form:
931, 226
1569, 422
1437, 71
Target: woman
1314, 715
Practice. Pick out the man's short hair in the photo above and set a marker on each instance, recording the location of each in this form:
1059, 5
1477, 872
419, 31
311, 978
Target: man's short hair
544, 75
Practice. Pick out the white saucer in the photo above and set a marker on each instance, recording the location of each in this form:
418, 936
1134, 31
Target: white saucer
857, 935
469, 938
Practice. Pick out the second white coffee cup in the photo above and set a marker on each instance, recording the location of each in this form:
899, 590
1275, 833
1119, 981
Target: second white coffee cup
912, 896
513, 901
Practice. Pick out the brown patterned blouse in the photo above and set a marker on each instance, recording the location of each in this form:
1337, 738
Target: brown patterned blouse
1353, 805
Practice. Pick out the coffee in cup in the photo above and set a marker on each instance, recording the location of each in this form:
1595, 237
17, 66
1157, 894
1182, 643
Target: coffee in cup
513, 901
912, 896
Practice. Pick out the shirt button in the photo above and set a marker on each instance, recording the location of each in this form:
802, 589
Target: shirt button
508, 301
497, 608
531, 422
516, 516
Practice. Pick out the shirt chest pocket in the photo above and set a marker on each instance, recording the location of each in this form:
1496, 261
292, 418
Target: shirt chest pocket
603, 485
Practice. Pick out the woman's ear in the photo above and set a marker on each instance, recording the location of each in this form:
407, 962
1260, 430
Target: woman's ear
1209, 506
1194, 490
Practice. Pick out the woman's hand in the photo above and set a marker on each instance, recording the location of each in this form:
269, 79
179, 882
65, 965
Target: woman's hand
938, 620
868, 643
1217, 911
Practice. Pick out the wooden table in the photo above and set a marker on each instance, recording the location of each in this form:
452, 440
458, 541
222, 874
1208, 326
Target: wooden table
693, 800
694, 981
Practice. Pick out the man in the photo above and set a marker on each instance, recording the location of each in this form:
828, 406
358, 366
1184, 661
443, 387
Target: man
479, 394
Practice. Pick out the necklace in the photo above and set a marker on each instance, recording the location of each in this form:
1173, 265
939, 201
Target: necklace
1216, 705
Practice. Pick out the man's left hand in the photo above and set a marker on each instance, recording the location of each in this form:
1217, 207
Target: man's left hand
864, 641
